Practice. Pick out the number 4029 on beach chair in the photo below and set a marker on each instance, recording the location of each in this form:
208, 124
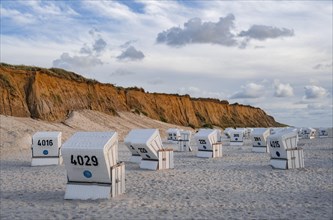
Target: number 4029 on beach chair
91, 161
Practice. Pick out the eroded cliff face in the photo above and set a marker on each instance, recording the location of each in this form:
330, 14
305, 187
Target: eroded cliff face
51, 94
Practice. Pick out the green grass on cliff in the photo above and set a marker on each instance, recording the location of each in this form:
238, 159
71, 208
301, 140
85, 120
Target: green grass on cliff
57, 72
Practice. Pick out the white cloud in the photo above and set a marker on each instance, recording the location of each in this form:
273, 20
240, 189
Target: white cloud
18, 17
315, 92
250, 90
156, 81
89, 55
110, 9
128, 43
99, 45
320, 106
200, 93
193, 89
131, 54
221, 32
189, 90
96, 49
86, 49
121, 72
324, 66
48, 8
263, 32
282, 90
166, 13
303, 116
67, 61
196, 31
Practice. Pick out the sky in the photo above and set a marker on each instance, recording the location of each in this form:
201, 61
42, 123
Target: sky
275, 55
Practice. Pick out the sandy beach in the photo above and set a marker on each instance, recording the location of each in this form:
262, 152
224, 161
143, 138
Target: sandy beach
240, 185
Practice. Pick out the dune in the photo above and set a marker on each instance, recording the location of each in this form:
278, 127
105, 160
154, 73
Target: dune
240, 185
16, 132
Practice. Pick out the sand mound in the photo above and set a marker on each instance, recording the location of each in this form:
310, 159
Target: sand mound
16, 132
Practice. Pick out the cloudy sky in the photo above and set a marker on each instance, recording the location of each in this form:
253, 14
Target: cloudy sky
276, 55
